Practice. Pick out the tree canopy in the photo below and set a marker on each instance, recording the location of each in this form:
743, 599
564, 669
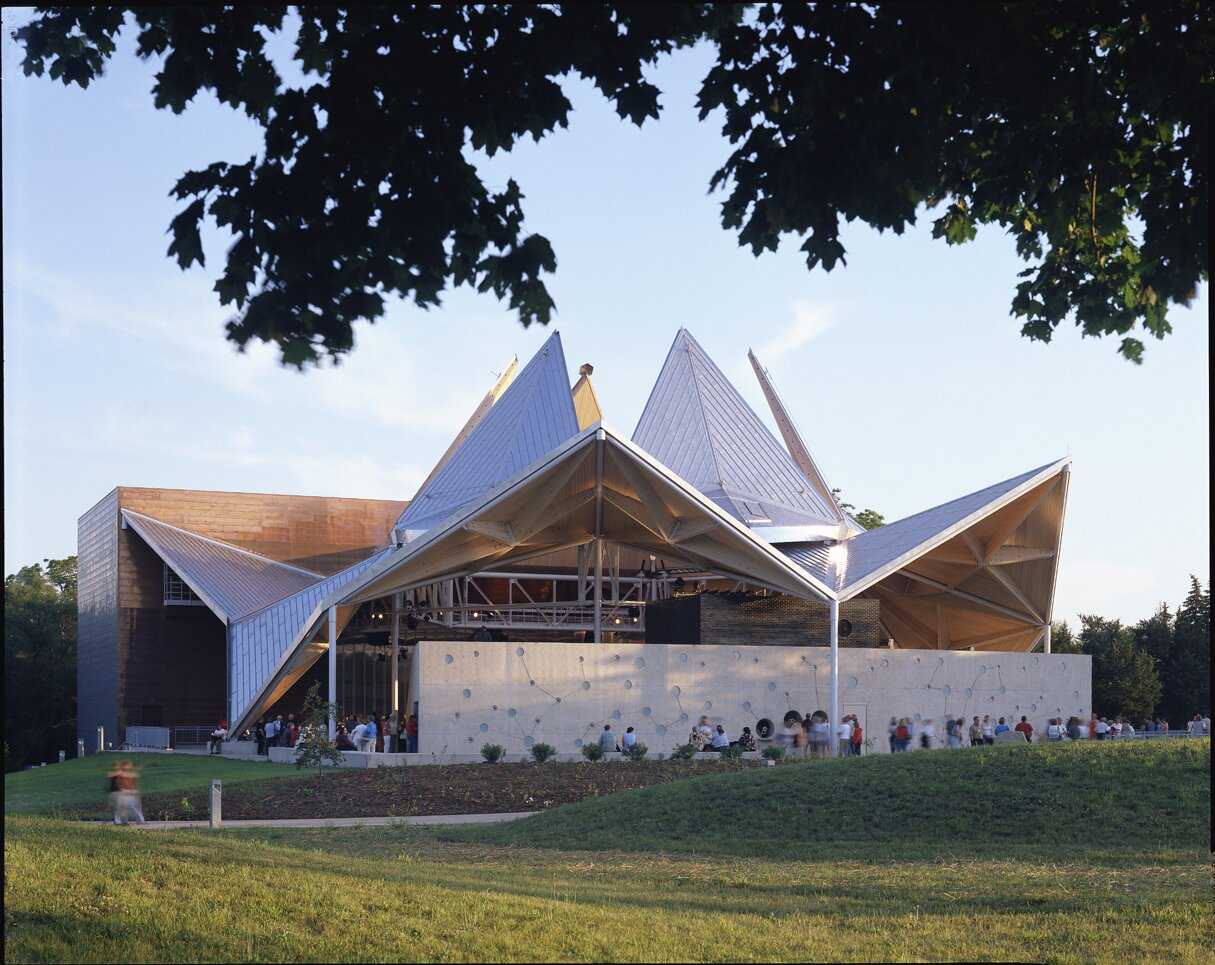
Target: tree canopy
39, 662
1080, 129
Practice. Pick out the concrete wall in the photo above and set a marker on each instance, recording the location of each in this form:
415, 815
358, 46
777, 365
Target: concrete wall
517, 694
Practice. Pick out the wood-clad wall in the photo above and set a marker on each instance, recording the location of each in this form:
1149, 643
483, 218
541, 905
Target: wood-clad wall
727, 618
320, 533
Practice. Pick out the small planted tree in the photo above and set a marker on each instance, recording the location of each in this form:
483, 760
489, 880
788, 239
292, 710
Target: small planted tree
492, 752
315, 747
684, 752
592, 752
637, 752
773, 752
542, 752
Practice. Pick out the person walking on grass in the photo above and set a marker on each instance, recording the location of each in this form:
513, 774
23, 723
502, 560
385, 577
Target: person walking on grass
124, 794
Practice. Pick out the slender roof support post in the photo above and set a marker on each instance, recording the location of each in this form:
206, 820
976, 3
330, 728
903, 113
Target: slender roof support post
395, 639
332, 669
833, 635
1046, 640
600, 441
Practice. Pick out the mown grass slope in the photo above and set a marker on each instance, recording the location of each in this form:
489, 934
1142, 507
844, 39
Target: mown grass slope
1147, 794
1000, 854
78, 787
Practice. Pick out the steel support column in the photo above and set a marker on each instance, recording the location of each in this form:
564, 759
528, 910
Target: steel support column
332, 669
394, 637
833, 635
1046, 640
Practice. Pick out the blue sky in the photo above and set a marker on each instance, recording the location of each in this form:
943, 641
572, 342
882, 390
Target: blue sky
904, 370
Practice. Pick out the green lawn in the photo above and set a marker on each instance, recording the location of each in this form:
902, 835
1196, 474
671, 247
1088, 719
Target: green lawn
982, 800
1093, 889
78, 787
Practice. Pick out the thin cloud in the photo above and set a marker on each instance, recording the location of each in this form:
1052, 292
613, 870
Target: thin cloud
809, 322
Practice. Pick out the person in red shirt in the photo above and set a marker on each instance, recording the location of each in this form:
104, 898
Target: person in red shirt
1026, 728
411, 734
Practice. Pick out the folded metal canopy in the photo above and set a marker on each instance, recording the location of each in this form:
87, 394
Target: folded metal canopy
596, 485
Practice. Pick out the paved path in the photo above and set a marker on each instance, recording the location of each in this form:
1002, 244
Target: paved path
421, 819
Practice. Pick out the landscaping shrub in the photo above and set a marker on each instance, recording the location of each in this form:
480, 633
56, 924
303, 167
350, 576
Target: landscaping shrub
637, 752
683, 752
492, 752
773, 752
592, 752
731, 753
542, 752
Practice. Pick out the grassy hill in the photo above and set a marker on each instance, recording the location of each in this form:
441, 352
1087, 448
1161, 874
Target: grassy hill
1076, 854
1150, 794
79, 787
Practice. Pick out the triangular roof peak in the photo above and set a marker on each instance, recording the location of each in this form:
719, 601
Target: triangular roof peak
586, 402
798, 450
532, 417
697, 424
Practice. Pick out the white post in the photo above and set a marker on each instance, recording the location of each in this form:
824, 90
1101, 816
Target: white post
598, 591
1046, 640
217, 791
100, 739
332, 668
395, 638
80, 747
833, 635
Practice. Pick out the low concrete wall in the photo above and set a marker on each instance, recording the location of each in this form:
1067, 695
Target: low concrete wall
518, 694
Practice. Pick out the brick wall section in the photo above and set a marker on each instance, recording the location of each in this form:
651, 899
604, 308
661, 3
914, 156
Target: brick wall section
322, 533
727, 618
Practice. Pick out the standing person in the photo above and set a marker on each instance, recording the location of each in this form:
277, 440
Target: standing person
358, 736
903, 734
989, 733
746, 740
411, 734
259, 735
928, 733
893, 730
371, 733
844, 736
1102, 728
953, 732
976, 733
1026, 728
272, 733
820, 734
218, 736
1053, 731
1092, 728
858, 737
1001, 727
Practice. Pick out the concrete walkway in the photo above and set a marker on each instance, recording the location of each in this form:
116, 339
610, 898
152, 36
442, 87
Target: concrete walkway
411, 821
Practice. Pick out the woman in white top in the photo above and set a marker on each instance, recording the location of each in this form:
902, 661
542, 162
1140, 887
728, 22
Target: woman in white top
988, 731
1054, 730
629, 739
721, 740
928, 733
844, 734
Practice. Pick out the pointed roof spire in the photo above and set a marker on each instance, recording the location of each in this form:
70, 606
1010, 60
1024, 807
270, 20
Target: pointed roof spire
698, 425
533, 416
586, 402
492, 396
793, 440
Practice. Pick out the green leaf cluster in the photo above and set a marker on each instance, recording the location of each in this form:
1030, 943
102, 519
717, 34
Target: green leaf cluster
1080, 130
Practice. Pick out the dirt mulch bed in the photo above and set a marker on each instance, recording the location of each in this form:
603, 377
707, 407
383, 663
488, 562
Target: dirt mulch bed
431, 789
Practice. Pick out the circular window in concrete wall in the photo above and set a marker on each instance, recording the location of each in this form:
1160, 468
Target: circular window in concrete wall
616, 715
628, 685
646, 711
449, 659
484, 728
675, 691
660, 730
845, 628
763, 728
747, 706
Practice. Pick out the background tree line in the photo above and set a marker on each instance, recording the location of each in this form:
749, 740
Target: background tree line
39, 663
1160, 667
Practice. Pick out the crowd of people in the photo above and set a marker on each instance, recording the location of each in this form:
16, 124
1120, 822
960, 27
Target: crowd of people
367, 733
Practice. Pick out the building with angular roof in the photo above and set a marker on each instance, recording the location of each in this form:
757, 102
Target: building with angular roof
542, 524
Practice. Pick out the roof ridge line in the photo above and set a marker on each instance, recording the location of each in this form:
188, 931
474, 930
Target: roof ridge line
229, 546
700, 406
